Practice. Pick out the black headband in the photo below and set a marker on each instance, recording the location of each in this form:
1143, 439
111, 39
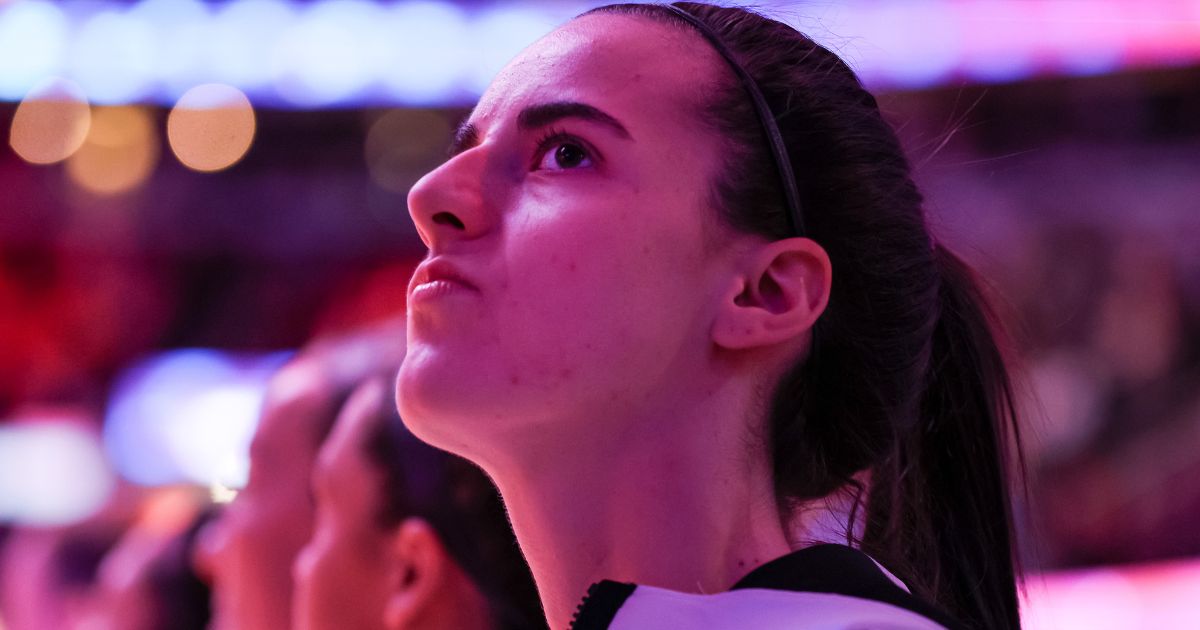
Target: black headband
783, 163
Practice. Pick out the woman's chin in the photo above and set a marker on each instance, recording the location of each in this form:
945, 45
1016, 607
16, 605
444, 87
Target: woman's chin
440, 409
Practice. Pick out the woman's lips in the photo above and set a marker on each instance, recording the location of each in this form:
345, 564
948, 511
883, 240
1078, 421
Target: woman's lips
438, 278
435, 289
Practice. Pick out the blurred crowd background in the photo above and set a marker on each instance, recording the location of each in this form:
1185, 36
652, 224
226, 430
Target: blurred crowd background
191, 191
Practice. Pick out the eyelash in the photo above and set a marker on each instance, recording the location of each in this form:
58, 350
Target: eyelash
555, 136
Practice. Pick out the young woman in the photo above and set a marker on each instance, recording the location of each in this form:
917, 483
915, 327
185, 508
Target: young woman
246, 552
405, 536
682, 304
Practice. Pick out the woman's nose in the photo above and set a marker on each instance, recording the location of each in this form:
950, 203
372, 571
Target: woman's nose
448, 205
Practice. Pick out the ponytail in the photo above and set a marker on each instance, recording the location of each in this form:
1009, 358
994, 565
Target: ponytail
904, 378
941, 502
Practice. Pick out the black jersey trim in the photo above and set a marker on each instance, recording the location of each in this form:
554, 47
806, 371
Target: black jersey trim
839, 570
600, 605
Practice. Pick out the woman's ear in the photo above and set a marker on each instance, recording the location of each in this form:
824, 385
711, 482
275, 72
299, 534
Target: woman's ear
780, 291
416, 572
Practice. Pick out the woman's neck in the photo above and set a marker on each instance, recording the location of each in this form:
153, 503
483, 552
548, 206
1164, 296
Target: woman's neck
684, 502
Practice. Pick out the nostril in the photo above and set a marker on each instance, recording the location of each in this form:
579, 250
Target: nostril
445, 218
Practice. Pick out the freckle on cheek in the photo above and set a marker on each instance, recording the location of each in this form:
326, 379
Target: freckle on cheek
572, 267
515, 380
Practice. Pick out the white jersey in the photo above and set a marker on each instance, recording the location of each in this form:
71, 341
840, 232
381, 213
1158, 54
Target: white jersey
825, 587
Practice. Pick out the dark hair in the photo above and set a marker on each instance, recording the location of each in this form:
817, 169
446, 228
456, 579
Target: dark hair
905, 378
77, 559
344, 361
463, 507
181, 600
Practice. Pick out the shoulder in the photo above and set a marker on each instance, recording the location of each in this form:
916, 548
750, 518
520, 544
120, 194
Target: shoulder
829, 586
762, 609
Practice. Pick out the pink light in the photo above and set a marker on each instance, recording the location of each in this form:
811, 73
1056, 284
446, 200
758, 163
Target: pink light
118, 50
1163, 596
1164, 32
1001, 45
1004, 40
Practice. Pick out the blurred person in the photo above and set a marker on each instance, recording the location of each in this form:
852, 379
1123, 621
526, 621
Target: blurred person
248, 550
48, 574
406, 536
147, 581
1140, 324
1133, 477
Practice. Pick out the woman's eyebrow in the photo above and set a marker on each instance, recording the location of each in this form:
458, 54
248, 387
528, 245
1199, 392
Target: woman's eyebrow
536, 116
465, 137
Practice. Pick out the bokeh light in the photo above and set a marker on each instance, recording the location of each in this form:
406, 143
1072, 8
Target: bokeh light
330, 53
52, 472
312, 54
1071, 602
169, 510
222, 494
182, 31
188, 416
33, 36
51, 122
497, 35
399, 145
434, 31
895, 53
243, 38
120, 152
211, 127
998, 52
1084, 51
113, 56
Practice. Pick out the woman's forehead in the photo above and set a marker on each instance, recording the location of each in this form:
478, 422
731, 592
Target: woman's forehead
635, 68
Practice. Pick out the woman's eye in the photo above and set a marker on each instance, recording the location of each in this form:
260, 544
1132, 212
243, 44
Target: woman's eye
564, 155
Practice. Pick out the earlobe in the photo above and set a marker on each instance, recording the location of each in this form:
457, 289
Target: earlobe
781, 290
416, 568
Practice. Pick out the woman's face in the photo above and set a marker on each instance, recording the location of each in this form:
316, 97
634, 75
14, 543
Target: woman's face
575, 213
247, 551
341, 575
